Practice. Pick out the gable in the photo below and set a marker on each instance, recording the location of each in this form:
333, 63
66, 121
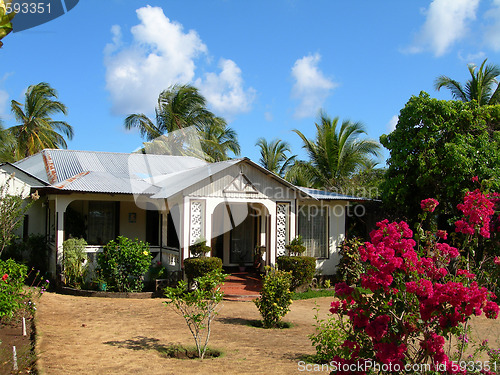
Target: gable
242, 180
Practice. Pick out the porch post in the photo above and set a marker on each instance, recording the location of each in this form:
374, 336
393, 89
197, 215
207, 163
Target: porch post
61, 203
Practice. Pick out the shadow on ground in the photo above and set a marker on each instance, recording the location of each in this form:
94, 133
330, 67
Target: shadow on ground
168, 351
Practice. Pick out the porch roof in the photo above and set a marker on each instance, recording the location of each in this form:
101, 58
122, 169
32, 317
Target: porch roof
328, 195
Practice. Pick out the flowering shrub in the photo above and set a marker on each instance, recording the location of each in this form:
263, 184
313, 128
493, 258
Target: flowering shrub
408, 300
275, 298
123, 263
14, 295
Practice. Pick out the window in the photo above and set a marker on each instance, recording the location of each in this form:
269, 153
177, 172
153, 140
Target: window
313, 227
102, 222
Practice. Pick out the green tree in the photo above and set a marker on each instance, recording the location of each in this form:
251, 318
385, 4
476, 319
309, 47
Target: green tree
336, 154
5, 20
36, 129
13, 207
482, 87
217, 140
273, 155
178, 107
436, 149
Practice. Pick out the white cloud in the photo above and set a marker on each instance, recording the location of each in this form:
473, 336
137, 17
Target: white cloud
391, 125
268, 116
492, 32
446, 23
224, 91
4, 98
160, 55
311, 87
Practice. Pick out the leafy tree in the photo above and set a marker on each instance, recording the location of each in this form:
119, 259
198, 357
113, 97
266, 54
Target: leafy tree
180, 107
36, 129
436, 149
336, 154
199, 306
273, 155
217, 139
12, 209
482, 87
5, 20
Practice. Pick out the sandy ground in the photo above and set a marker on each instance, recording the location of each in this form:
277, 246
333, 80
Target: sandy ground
89, 335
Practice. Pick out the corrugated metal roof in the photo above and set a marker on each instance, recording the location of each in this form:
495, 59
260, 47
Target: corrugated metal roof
33, 165
104, 172
176, 182
161, 176
328, 195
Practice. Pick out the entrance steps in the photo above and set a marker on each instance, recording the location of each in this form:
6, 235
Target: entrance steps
242, 286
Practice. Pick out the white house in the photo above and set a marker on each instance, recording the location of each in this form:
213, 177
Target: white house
172, 201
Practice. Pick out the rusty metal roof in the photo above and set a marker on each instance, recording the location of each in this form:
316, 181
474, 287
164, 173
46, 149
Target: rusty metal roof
160, 176
104, 172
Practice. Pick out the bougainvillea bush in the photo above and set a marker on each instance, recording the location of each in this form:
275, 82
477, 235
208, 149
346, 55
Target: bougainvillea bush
413, 297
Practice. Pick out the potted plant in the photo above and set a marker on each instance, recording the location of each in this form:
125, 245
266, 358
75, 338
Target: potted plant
296, 246
199, 248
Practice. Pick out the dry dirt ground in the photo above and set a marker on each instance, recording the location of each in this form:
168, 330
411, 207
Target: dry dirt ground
89, 335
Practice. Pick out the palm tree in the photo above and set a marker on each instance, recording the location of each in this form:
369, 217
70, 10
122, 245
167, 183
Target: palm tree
336, 155
273, 155
36, 129
178, 107
482, 87
217, 139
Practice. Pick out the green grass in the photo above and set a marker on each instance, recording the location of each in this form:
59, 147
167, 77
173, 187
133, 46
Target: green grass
313, 294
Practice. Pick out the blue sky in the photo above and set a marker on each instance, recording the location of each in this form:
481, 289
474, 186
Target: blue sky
266, 66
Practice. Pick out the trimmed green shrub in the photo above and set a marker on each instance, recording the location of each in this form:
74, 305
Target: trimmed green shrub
296, 246
301, 267
275, 298
350, 267
74, 257
123, 263
199, 248
197, 267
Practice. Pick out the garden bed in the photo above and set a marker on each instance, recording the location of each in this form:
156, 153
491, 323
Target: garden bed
98, 293
11, 334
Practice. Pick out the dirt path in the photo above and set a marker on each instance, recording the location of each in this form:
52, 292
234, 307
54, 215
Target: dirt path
119, 336
88, 335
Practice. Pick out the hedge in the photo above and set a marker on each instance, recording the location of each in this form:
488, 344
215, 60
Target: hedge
196, 267
302, 268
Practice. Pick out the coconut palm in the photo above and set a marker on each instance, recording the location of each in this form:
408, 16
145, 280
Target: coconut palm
178, 107
482, 87
273, 155
336, 154
217, 139
36, 129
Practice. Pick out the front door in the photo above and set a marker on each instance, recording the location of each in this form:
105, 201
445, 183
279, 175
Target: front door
243, 240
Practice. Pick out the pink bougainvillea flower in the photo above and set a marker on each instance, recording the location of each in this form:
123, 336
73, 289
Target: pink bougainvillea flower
4, 277
475, 179
429, 204
442, 234
497, 261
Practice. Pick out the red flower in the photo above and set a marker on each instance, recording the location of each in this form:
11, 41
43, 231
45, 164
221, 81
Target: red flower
4, 277
475, 179
429, 204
